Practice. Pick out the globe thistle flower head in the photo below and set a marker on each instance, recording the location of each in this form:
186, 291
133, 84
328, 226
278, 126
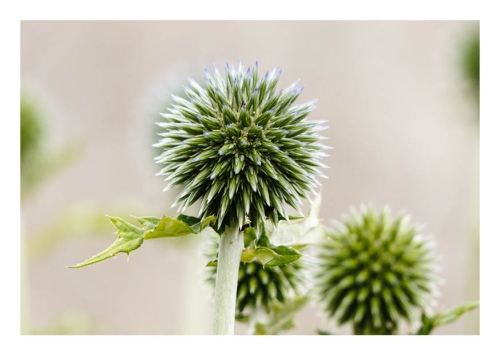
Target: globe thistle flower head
376, 272
241, 147
259, 287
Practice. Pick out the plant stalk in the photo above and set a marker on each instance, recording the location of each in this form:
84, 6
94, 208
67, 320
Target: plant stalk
226, 282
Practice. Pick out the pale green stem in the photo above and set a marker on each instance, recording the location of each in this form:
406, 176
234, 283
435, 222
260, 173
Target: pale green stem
226, 283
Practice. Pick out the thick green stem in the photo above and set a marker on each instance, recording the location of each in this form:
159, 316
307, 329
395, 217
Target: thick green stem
226, 283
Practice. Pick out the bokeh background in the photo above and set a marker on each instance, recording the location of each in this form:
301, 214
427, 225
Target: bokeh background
402, 104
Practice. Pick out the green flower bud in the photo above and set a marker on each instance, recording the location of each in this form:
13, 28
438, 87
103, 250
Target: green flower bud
375, 272
240, 147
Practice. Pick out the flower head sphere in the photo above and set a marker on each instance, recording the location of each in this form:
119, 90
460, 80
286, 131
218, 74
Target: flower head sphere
376, 272
241, 147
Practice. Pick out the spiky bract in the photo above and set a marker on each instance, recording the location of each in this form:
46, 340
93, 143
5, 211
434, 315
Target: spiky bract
375, 272
259, 287
241, 147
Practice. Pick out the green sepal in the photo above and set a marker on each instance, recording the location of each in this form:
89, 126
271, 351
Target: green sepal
131, 237
430, 323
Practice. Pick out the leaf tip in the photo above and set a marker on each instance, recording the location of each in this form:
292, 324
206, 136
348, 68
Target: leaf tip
77, 266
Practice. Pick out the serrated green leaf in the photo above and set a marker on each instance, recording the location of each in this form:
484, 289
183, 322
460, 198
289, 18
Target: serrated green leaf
170, 227
454, 313
260, 249
430, 323
248, 255
148, 222
131, 237
189, 220
276, 255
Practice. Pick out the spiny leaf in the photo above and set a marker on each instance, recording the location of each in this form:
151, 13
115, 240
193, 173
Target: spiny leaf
119, 246
149, 222
131, 237
276, 255
170, 227
248, 255
454, 313
430, 323
266, 256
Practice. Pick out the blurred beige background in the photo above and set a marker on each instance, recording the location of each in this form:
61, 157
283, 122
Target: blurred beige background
404, 130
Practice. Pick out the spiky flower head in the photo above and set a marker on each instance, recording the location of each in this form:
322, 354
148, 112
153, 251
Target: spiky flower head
376, 272
241, 147
259, 287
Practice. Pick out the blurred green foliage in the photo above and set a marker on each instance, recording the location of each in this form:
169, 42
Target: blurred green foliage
281, 317
68, 323
38, 159
470, 62
470, 71
32, 129
76, 222
429, 323
32, 122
